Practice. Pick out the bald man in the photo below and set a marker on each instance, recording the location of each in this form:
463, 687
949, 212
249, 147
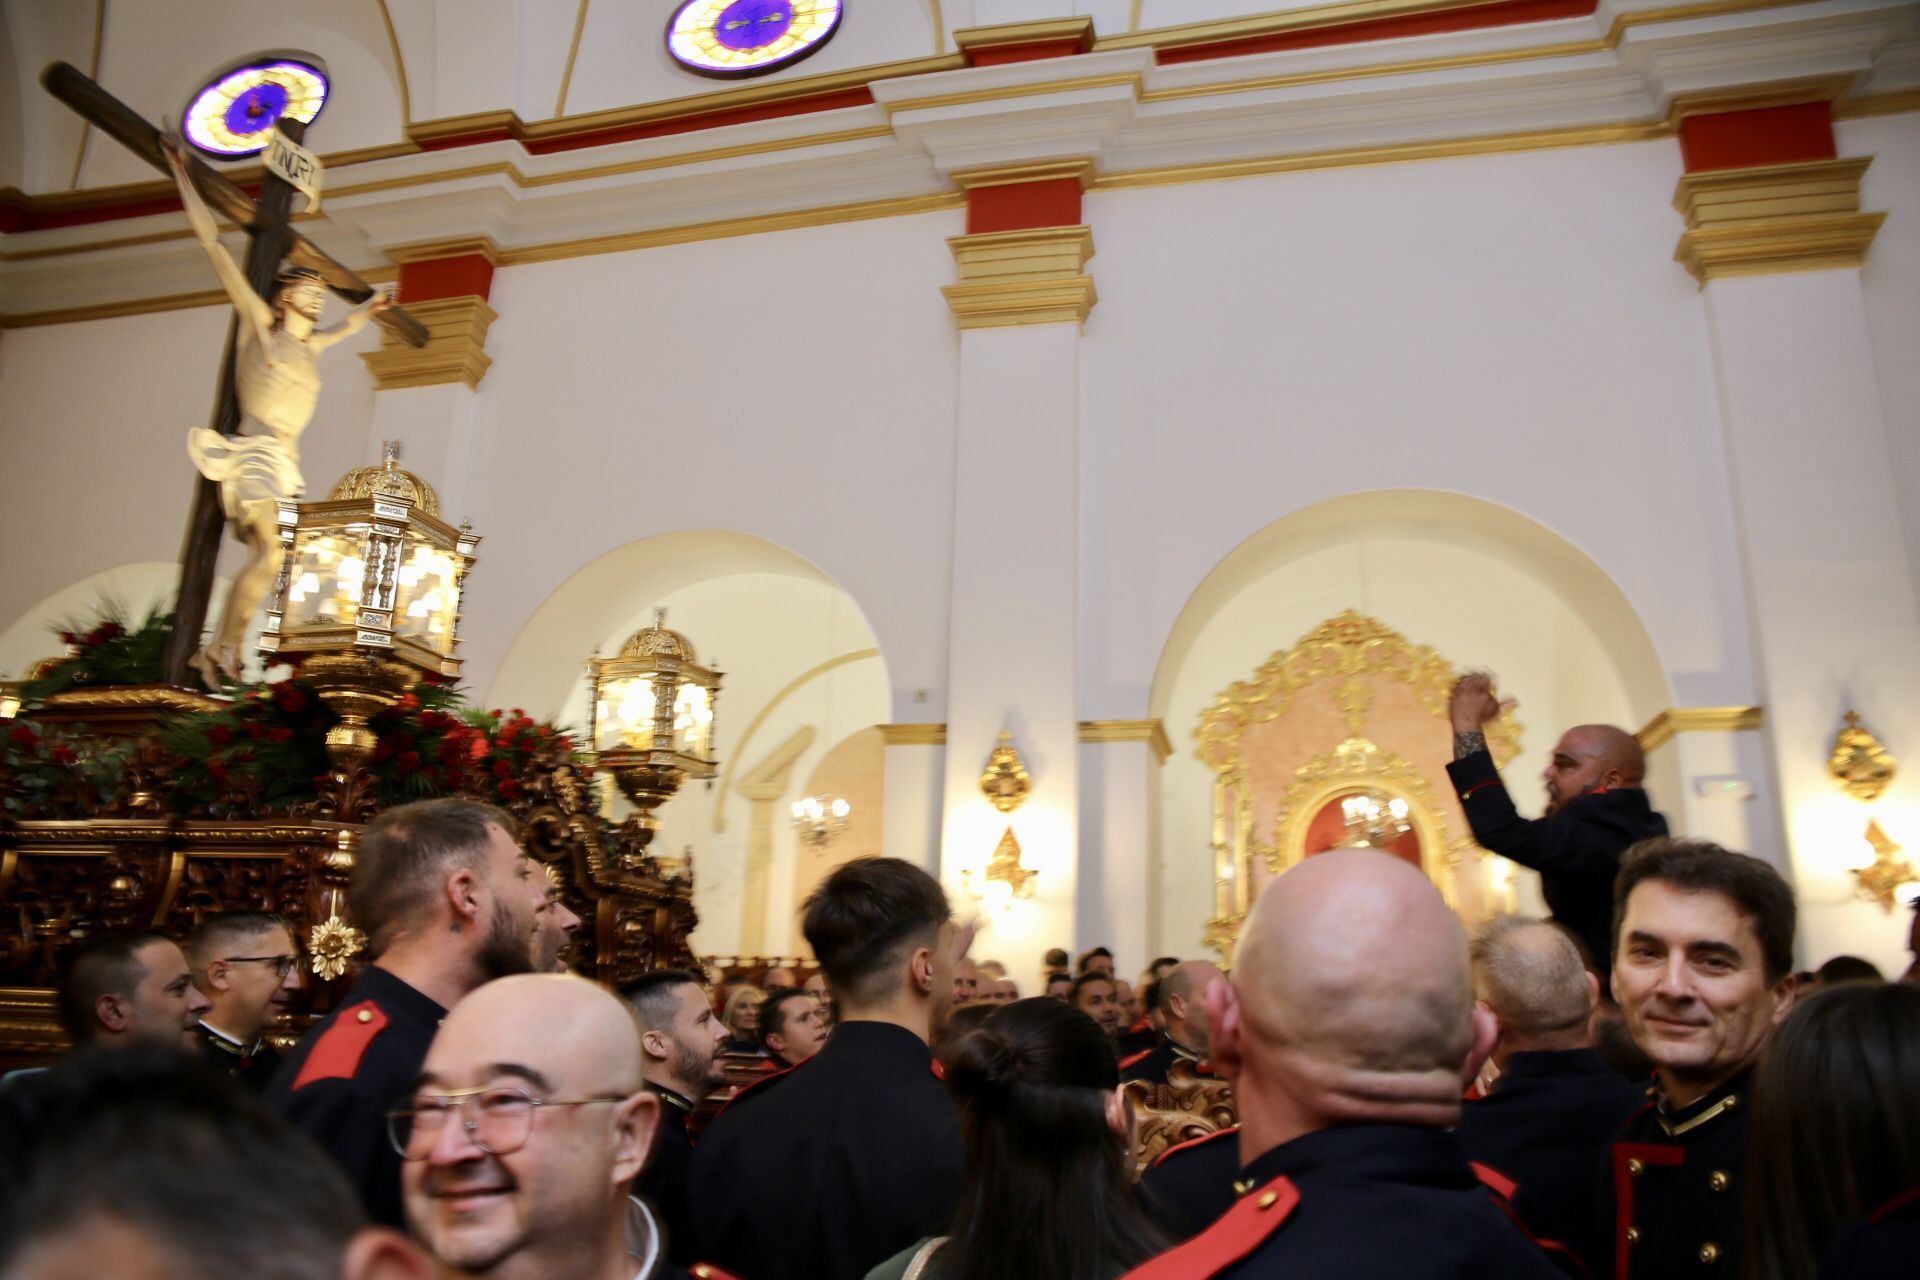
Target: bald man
1596, 807
524, 1133
1548, 1119
1348, 1027
1183, 1006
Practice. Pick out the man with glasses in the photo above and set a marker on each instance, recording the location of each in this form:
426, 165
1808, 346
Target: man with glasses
448, 901
524, 1133
246, 964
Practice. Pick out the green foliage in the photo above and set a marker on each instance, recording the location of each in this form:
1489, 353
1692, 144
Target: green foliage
108, 649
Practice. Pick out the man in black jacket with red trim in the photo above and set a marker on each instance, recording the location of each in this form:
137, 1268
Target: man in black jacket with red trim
1596, 808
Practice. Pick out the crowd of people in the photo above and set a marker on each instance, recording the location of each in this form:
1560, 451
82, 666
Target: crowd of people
1639, 1087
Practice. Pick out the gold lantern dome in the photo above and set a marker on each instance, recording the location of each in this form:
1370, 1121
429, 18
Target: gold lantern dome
388, 480
657, 641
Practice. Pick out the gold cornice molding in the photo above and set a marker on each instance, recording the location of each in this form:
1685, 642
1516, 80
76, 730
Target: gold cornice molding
459, 247
971, 40
1784, 93
914, 735
1006, 92
1036, 276
1011, 175
456, 349
1892, 103
1662, 728
1774, 218
152, 306
421, 132
1151, 732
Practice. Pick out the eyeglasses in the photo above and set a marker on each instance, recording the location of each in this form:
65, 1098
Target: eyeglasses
284, 964
499, 1122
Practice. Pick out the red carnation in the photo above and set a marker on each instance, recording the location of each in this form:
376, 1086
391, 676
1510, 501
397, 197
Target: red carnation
409, 761
406, 702
509, 789
64, 754
217, 769
289, 697
256, 731
281, 734
67, 637
501, 769
219, 735
24, 737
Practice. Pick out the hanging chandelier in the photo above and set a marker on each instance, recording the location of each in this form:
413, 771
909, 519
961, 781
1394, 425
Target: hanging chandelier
818, 819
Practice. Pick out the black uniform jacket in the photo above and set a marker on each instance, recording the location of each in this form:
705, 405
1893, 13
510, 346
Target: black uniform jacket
1576, 851
1545, 1128
1189, 1187
253, 1067
1672, 1188
820, 1172
1153, 1064
1361, 1202
349, 1070
664, 1184
1885, 1245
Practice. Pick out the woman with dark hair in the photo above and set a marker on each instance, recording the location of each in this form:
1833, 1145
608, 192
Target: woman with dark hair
1048, 1192
1835, 1128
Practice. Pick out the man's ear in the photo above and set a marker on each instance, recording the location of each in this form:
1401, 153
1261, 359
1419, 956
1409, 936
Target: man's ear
379, 1253
1486, 1034
1119, 1112
920, 970
1785, 992
114, 1011
637, 1123
777, 1043
1225, 1045
218, 977
464, 893
654, 1045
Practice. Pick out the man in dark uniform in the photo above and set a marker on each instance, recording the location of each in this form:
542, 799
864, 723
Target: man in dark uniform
680, 1043
821, 1172
246, 964
1596, 807
1704, 972
1189, 1187
1183, 1007
448, 900
1547, 1121
1348, 1029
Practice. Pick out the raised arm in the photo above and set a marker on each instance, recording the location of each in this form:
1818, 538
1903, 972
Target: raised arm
250, 304
353, 322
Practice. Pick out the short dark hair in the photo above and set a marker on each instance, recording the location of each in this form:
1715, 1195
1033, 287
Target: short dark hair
653, 996
773, 1018
862, 920
1086, 980
224, 928
405, 857
102, 966
1056, 958
1756, 890
259, 1202
1150, 995
1089, 956
1842, 969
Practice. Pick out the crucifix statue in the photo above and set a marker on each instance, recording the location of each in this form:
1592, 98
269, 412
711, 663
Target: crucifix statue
269, 383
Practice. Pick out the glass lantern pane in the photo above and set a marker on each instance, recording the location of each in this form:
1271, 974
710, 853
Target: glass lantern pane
425, 598
693, 720
325, 579
624, 714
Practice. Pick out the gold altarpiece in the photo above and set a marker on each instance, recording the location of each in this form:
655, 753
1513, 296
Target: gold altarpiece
1350, 721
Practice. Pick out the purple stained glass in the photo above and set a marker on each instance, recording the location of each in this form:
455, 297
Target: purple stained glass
257, 108
753, 24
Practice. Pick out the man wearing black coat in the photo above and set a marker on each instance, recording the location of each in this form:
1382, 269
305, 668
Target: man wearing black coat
1596, 808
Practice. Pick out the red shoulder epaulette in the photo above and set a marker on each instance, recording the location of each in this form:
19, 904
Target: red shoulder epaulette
1139, 1026
336, 1054
1230, 1131
751, 1085
1563, 1257
1246, 1226
1893, 1206
707, 1271
939, 1072
1132, 1058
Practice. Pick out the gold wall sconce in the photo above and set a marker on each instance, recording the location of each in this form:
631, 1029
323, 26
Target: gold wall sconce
1006, 784
1860, 763
1888, 871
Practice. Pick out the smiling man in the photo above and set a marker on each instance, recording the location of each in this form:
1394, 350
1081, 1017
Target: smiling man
246, 964
524, 1134
1703, 971
1093, 994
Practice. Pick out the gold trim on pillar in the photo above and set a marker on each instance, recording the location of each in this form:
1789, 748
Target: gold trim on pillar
1036, 276
1151, 732
1773, 218
914, 735
1007, 175
1675, 720
972, 40
456, 349
458, 247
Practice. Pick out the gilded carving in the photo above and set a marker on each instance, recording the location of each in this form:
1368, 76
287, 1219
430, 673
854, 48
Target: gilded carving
1859, 762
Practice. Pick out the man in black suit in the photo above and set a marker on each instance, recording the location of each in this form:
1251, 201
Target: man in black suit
1544, 1127
246, 964
680, 1043
827, 1169
1596, 807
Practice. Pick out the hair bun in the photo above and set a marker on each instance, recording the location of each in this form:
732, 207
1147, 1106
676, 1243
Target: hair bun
985, 1061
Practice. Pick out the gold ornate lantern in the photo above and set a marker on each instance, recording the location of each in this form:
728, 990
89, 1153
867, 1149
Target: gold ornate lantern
368, 595
650, 720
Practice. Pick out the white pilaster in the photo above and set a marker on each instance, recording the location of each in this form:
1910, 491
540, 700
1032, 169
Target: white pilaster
1119, 823
439, 426
915, 787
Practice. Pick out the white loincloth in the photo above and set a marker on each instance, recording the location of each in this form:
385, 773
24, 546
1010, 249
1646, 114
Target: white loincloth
247, 468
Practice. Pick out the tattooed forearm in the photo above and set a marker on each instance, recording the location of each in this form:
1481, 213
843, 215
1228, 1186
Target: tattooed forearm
1465, 744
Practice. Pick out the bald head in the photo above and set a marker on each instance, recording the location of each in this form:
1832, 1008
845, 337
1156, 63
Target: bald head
1183, 1005
1592, 757
1613, 747
1532, 977
574, 1035
1354, 993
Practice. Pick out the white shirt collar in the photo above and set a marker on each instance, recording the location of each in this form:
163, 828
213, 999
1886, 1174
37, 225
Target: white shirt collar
643, 1237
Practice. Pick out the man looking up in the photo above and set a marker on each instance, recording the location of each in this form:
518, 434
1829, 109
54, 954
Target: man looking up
524, 1135
1553, 1109
791, 1028
129, 988
680, 1043
447, 899
1183, 994
1093, 994
816, 986
825, 1171
1703, 972
247, 966
966, 981
1596, 807
1347, 1029
553, 930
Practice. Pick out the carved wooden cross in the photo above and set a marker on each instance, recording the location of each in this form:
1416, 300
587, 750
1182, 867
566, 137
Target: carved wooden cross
273, 240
